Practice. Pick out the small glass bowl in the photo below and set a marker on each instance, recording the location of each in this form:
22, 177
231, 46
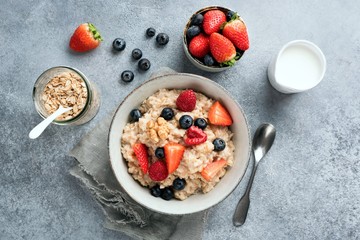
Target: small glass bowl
92, 101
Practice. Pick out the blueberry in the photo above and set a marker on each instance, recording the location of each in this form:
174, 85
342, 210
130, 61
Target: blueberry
119, 44
127, 76
197, 19
156, 191
229, 15
167, 113
192, 31
159, 152
209, 60
144, 64
179, 184
136, 54
167, 194
219, 144
162, 38
200, 123
185, 121
150, 32
135, 114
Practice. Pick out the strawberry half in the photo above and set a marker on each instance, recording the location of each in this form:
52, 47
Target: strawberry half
199, 46
213, 20
236, 32
158, 171
222, 49
173, 155
218, 115
85, 38
212, 169
186, 101
140, 151
195, 136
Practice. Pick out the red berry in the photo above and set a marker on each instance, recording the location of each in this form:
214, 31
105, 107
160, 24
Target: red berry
195, 136
85, 38
236, 32
186, 101
173, 155
140, 151
199, 46
222, 49
213, 20
218, 115
210, 171
158, 171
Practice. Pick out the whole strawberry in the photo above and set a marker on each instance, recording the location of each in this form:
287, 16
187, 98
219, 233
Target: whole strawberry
85, 38
186, 101
222, 49
236, 32
199, 46
213, 20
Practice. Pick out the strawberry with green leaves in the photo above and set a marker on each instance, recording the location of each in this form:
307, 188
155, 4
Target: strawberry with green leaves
222, 49
235, 30
85, 38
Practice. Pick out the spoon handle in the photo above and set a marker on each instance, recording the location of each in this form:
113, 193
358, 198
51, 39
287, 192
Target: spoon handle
36, 131
244, 203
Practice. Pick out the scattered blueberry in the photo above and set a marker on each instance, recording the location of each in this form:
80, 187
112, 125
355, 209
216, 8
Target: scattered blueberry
219, 144
144, 64
192, 31
200, 123
159, 152
119, 44
167, 113
135, 114
197, 19
156, 191
127, 76
167, 194
162, 38
150, 32
179, 184
136, 54
185, 121
209, 60
229, 15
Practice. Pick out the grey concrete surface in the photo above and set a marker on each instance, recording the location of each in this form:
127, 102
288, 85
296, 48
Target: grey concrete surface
308, 187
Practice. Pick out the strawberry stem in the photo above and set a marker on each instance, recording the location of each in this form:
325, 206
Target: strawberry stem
95, 32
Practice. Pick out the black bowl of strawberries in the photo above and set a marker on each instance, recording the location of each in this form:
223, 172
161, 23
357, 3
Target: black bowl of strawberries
215, 38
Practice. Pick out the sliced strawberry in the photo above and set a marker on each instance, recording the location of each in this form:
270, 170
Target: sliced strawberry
213, 20
222, 49
195, 136
85, 38
158, 171
236, 32
140, 151
173, 155
186, 101
212, 169
218, 115
199, 46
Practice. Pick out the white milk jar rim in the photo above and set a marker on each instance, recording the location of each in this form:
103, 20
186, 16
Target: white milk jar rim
315, 49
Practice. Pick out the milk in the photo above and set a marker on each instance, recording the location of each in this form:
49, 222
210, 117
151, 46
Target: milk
300, 65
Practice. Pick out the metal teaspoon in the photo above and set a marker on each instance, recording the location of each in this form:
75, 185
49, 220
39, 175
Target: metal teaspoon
262, 142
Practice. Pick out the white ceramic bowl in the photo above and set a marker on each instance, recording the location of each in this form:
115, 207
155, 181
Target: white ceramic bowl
199, 201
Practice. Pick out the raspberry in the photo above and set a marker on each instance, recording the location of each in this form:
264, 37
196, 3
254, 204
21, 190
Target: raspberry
158, 171
195, 136
186, 101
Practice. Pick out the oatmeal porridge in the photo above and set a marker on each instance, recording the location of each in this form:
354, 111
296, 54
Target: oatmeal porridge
178, 143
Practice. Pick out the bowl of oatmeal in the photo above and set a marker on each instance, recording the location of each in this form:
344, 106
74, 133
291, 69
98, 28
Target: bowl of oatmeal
179, 144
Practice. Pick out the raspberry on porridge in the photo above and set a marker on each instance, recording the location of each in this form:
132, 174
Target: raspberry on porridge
195, 161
